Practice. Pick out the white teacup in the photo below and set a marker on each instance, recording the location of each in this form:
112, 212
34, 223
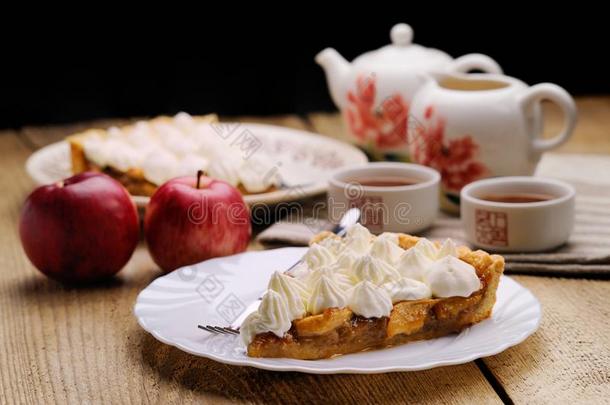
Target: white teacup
517, 214
393, 197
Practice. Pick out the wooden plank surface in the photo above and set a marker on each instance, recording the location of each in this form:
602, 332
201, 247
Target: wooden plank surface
71, 345
568, 359
83, 345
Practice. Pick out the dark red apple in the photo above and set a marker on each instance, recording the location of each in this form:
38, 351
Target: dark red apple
191, 219
82, 229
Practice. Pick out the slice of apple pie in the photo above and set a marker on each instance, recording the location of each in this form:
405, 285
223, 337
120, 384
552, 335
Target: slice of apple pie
147, 154
368, 292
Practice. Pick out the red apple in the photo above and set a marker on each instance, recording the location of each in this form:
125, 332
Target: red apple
191, 219
82, 229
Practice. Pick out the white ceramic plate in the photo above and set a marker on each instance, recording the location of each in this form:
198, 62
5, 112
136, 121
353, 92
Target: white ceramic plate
304, 160
213, 292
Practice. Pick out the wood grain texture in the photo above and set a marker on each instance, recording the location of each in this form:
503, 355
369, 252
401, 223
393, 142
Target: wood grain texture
568, 359
72, 345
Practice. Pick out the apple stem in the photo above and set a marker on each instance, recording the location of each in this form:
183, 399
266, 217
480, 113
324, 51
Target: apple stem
199, 174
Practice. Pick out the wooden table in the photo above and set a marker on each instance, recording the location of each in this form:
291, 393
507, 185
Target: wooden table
83, 345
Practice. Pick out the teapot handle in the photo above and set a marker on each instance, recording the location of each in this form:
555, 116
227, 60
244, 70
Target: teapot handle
531, 100
478, 61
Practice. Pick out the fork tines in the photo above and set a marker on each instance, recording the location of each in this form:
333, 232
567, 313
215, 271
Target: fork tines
219, 329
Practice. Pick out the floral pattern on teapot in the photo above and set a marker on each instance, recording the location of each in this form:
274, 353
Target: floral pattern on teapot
383, 124
456, 159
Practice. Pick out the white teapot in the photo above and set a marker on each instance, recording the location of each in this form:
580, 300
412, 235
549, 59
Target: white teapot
374, 92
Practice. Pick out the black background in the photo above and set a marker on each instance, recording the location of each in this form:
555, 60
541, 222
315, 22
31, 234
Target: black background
114, 67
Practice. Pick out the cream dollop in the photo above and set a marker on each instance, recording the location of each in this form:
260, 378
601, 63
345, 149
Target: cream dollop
407, 289
426, 247
293, 292
250, 327
300, 271
326, 294
184, 121
335, 245
141, 137
318, 256
452, 277
224, 170
346, 259
448, 248
430, 250
369, 268
159, 166
191, 164
370, 301
174, 140
95, 148
342, 280
391, 236
358, 239
258, 174
122, 156
413, 264
386, 249
272, 316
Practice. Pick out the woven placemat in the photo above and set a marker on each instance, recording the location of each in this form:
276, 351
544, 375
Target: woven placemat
587, 252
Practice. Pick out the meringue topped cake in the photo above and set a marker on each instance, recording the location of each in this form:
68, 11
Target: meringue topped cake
147, 154
366, 292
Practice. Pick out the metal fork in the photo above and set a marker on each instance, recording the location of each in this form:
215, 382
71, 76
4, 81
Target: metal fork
219, 329
351, 217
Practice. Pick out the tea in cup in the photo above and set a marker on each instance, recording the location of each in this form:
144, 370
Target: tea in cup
518, 214
392, 197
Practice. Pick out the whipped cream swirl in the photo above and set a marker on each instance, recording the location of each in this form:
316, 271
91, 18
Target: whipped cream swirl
452, 277
293, 292
318, 256
358, 239
414, 264
406, 289
369, 268
386, 249
340, 278
326, 294
368, 300
272, 316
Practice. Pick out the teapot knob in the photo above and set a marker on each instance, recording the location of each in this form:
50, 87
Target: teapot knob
401, 34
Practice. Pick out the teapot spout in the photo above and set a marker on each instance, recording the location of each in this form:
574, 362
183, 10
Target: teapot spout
336, 68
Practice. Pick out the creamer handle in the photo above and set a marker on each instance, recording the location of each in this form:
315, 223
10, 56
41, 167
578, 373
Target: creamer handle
547, 91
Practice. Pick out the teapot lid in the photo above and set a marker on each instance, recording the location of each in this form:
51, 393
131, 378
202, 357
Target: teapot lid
403, 53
